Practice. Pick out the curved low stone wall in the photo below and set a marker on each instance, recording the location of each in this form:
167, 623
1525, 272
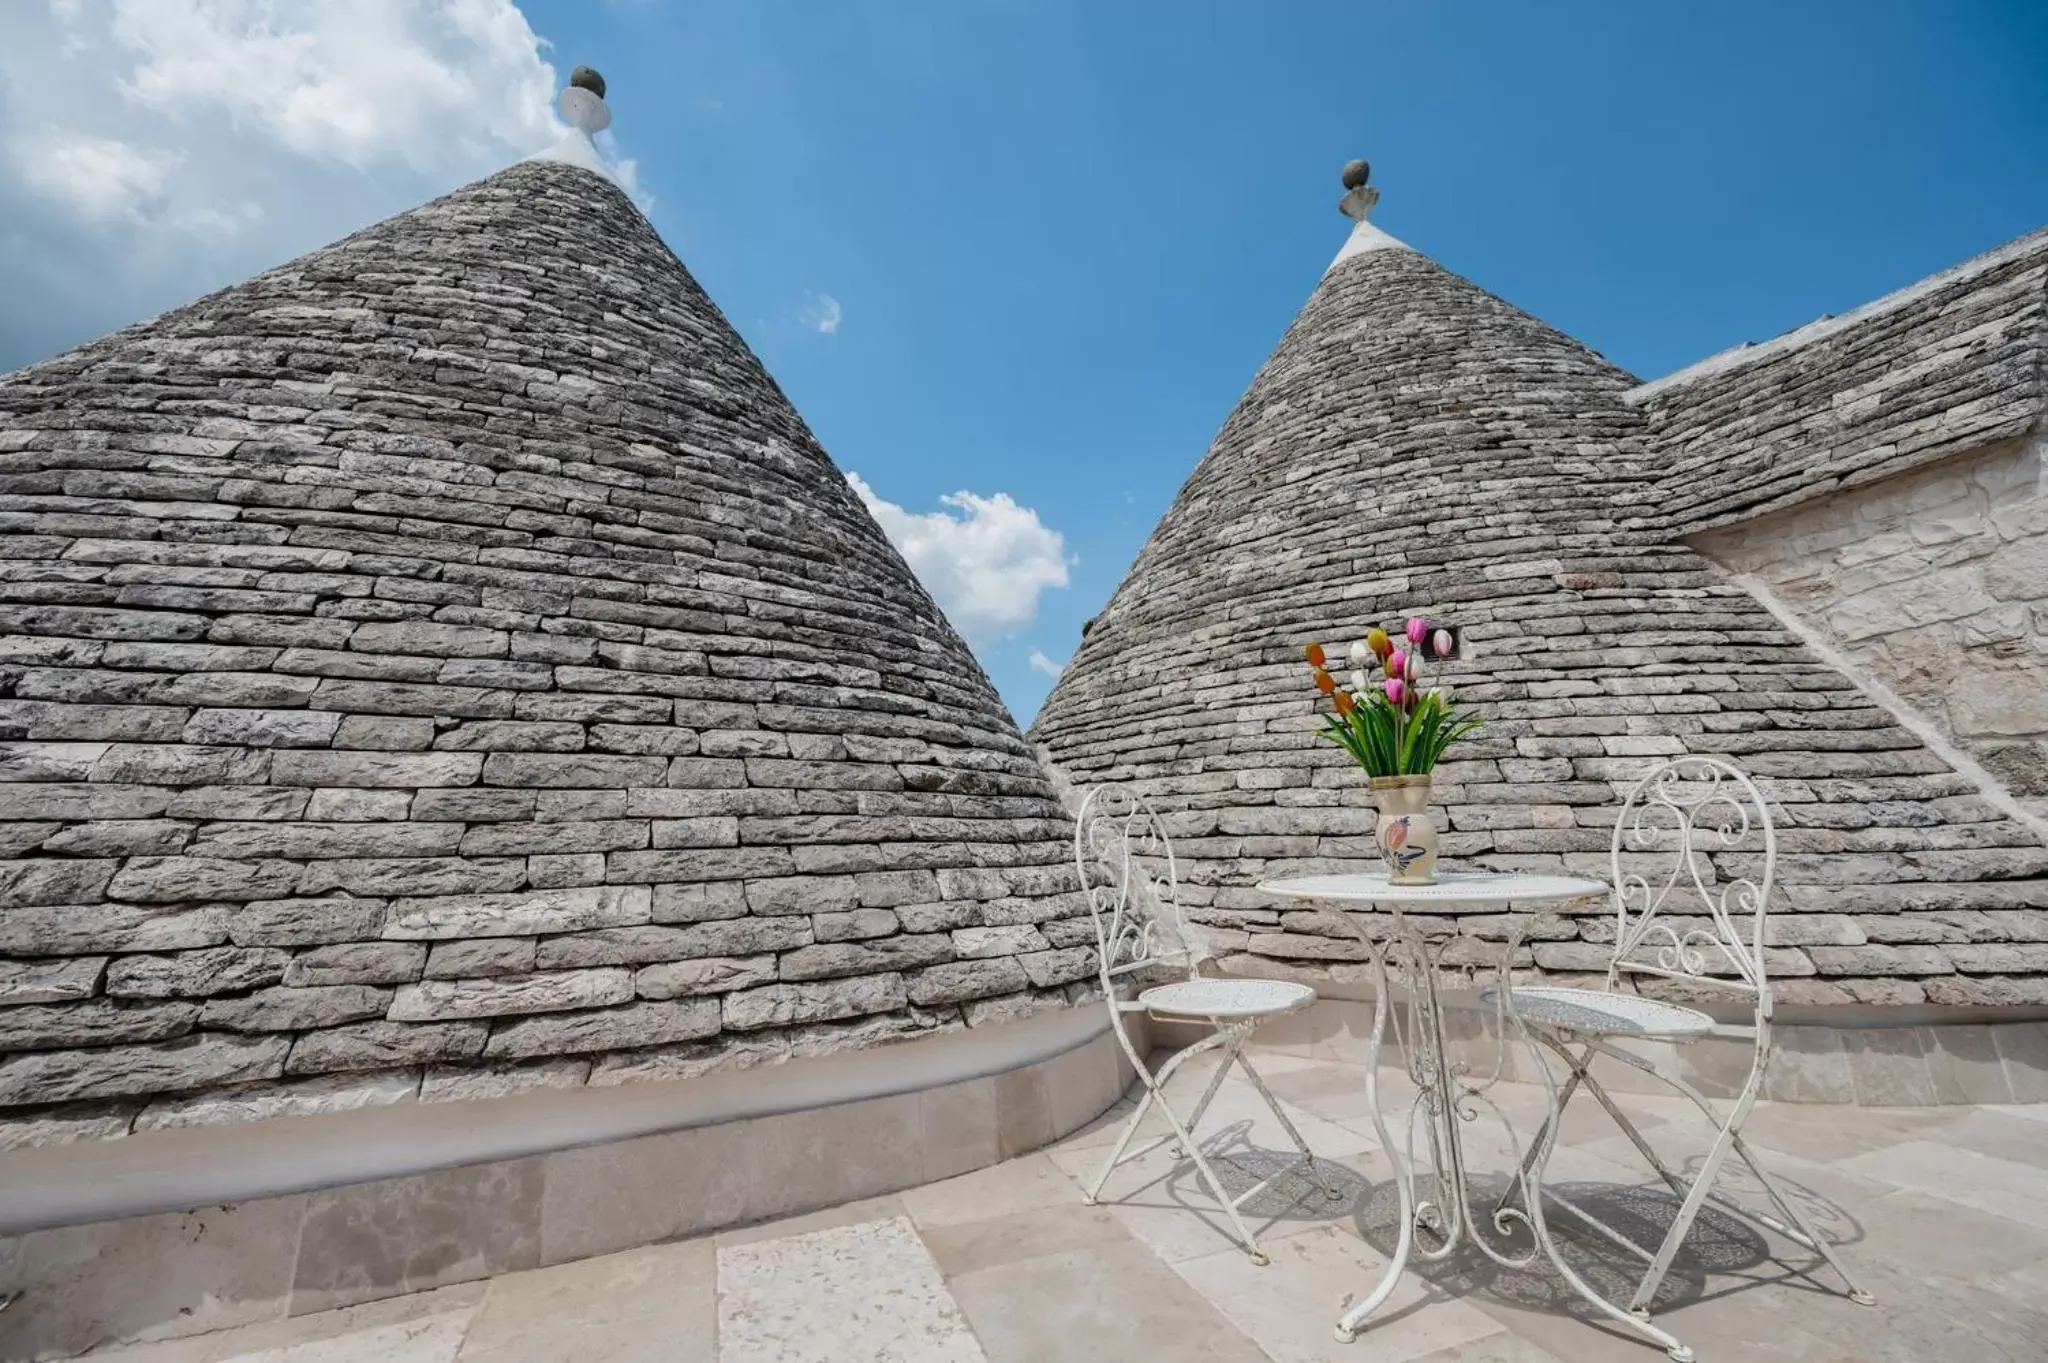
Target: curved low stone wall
179, 1232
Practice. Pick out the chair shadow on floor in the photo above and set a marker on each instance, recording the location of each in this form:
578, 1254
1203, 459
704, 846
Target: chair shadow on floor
1289, 1197
1723, 1255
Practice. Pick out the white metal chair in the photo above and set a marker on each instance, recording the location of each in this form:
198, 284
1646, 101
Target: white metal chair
1128, 872
1680, 922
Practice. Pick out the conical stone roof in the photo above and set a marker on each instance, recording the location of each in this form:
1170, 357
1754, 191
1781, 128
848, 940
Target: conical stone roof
448, 660
1416, 445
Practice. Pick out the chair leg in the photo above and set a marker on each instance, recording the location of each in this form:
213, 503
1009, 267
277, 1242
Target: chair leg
1215, 1082
1564, 1099
1155, 1086
1702, 1184
1315, 1171
1216, 1189
1124, 1141
1814, 1239
1800, 1230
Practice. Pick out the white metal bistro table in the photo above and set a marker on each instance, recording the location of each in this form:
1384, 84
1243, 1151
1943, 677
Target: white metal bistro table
1448, 1095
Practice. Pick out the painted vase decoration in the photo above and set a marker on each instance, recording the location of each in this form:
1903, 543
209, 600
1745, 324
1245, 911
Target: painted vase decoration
1406, 834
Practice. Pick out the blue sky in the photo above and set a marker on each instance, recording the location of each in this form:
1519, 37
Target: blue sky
1060, 237
1063, 236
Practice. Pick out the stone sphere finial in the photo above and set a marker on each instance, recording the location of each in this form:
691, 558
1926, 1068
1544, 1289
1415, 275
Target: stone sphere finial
582, 102
1356, 173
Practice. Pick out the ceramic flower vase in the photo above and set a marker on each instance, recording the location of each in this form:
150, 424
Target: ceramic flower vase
1406, 834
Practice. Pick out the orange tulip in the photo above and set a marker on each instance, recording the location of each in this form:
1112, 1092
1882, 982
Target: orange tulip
1345, 705
1325, 683
1315, 655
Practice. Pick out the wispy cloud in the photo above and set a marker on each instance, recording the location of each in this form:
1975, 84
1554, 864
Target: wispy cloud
822, 313
1041, 663
985, 560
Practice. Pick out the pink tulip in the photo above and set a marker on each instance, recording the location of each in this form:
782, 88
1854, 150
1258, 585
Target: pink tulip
1397, 690
1397, 664
1418, 629
1440, 643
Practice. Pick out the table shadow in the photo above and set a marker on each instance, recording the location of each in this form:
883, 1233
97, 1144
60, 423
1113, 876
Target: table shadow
1721, 1254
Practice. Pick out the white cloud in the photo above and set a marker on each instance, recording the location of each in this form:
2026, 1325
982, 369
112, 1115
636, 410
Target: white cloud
823, 313
151, 150
98, 178
986, 560
1041, 663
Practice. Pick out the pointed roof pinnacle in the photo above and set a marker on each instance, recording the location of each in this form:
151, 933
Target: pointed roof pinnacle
1358, 201
583, 108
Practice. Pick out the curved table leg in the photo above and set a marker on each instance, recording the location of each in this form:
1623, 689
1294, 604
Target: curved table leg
1348, 1326
1430, 1063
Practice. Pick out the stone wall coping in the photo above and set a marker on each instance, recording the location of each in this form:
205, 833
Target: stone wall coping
184, 1169
1735, 357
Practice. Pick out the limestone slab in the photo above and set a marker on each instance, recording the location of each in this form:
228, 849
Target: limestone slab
523, 914
652, 1305
647, 1023
148, 1277
298, 1098
1113, 1301
661, 1187
1290, 1312
404, 1235
516, 995
866, 1291
1983, 1182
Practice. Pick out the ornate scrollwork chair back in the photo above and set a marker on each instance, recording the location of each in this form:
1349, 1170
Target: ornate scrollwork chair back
1694, 853
1132, 883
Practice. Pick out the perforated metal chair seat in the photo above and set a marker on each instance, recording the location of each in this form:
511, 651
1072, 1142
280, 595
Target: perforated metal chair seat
1225, 998
1599, 1013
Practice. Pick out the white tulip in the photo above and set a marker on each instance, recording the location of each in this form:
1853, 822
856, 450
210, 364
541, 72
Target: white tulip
1361, 656
1360, 683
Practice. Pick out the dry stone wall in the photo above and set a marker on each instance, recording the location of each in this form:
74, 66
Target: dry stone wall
1416, 445
446, 664
1934, 583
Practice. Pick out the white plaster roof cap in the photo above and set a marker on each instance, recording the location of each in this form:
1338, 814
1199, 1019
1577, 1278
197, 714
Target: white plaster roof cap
1357, 203
582, 105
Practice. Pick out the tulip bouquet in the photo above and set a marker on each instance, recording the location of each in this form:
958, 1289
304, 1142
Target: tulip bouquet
1392, 726
1397, 731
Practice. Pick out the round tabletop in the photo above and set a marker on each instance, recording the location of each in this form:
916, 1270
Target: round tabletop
1464, 887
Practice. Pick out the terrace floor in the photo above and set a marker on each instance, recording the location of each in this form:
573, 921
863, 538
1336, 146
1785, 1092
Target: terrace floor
1945, 1211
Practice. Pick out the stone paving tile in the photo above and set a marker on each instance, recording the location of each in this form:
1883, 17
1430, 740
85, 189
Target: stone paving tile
864, 1293
276, 1339
969, 1247
1290, 1307
1017, 1185
654, 1305
845, 1214
1985, 1182
1996, 1133
1107, 1302
429, 1339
